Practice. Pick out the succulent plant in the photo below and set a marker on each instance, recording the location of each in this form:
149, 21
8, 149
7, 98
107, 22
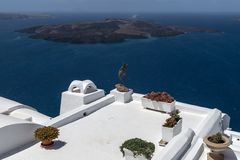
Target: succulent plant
173, 120
175, 115
139, 147
216, 138
160, 96
46, 133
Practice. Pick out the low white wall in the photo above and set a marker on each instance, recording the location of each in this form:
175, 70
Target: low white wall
179, 105
36, 117
176, 147
80, 112
191, 108
211, 124
7, 106
15, 136
234, 136
137, 97
232, 133
225, 121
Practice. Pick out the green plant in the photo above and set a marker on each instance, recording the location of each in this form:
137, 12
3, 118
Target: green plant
173, 120
46, 133
216, 138
139, 147
175, 115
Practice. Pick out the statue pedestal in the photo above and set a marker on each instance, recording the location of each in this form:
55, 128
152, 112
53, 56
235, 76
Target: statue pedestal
123, 97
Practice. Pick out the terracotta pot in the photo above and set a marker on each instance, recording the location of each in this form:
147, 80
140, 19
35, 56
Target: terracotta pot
217, 147
46, 143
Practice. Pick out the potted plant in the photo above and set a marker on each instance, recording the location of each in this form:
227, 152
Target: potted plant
46, 134
217, 142
137, 149
122, 93
160, 101
172, 126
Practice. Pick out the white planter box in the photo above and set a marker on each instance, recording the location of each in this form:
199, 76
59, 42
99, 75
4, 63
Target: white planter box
123, 97
130, 156
160, 106
169, 133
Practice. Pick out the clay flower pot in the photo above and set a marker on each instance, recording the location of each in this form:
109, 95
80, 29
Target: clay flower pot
217, 147
46, 135
46, 143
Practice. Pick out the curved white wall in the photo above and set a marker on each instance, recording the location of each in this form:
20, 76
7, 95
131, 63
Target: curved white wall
75, 84
225, 121
14, 136
85, 87
211, 124
7, 105
80, 112
36, 117
88, 87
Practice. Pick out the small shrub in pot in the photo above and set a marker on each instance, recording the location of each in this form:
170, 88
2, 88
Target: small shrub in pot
160, 97
173, 120
46, 134
217, 142
138, 147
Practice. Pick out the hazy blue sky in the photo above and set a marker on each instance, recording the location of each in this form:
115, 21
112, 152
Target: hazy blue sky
120, 5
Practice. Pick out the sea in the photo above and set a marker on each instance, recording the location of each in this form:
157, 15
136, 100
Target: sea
196, 68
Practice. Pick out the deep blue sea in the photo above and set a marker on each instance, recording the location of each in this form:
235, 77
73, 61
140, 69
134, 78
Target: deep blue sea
197, 68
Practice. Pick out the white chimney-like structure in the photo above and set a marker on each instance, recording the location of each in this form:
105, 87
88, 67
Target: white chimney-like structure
78, 94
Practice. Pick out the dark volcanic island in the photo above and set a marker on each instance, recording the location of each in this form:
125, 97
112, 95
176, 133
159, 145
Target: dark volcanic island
107, 31
11, 16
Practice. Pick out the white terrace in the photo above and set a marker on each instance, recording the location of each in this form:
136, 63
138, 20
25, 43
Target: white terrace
93, 126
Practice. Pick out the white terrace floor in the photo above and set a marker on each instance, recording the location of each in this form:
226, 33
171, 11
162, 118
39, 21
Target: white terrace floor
99, 135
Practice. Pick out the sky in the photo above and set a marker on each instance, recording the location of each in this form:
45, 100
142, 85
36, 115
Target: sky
119, 5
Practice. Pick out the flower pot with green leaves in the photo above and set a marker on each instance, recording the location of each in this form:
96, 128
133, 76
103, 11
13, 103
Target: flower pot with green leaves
160, 101
122, 93
217, 142
46, 134
172, 126
137, 149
